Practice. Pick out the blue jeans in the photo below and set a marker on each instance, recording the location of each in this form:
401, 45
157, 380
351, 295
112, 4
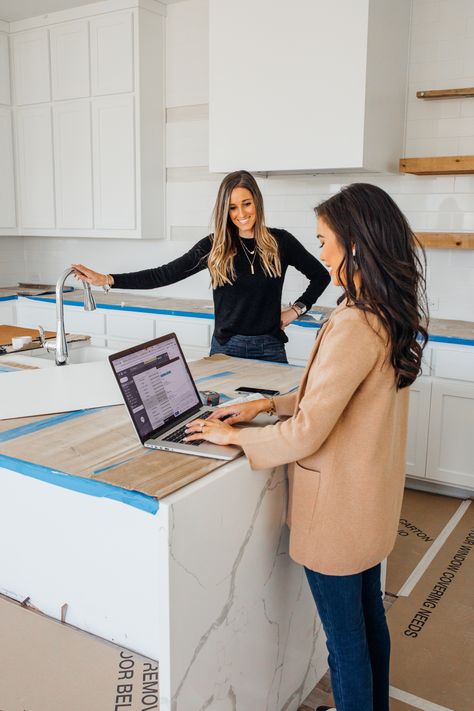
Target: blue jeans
256, 347
358, 640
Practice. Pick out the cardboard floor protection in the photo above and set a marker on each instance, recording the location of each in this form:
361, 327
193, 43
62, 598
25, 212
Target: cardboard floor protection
49, 666
422, 519
432, 630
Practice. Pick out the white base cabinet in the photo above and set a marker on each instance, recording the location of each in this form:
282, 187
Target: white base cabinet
451, 433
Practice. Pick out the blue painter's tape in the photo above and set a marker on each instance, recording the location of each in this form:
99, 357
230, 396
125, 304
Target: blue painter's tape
452, 339
43, 424
6, 369
8, 298
307, 324
90, 487
216, 375
135, 309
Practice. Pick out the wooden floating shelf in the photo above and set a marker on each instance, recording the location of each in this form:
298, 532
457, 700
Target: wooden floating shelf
439, 165
446, 93
446, 240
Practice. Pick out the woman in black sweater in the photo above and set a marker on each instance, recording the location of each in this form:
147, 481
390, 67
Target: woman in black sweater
247, 262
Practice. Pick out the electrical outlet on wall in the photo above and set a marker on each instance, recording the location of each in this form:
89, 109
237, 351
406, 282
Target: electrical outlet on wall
433, 303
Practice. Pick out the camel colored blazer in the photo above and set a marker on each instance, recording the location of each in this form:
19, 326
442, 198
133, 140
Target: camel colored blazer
344, 438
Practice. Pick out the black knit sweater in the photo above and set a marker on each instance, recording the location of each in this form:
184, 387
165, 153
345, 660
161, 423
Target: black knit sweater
251, 306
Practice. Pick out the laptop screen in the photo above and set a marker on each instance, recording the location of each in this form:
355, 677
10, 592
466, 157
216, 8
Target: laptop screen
156, 384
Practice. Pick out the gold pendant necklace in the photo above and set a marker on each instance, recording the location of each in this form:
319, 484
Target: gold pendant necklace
253, 252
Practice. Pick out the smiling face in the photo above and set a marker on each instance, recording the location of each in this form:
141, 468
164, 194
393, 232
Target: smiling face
242, 211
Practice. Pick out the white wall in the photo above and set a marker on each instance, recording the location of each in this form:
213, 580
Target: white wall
442, 56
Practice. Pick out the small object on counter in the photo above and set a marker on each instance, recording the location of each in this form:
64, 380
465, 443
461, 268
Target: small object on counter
3, 350
260, 391
209, 397
19, 341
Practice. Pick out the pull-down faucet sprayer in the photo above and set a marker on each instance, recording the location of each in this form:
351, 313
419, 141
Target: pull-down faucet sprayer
59, 345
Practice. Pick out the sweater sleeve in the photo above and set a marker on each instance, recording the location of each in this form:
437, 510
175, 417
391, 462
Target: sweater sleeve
350, 351
188, 264
299, 257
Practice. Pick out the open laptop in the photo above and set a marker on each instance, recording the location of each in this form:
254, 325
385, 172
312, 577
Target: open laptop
161, 397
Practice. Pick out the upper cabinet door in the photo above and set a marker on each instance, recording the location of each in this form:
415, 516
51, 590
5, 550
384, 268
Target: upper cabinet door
35, 167
30, 58
112, 65
114, 163
73, 164
7, 175
70, 60
314, 85
4, 70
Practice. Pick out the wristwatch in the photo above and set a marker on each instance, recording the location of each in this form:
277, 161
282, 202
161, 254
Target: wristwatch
299, 307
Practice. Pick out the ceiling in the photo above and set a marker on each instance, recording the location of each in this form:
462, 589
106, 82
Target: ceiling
11, 10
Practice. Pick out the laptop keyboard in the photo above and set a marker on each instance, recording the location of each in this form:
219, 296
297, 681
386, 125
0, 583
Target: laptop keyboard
179, 434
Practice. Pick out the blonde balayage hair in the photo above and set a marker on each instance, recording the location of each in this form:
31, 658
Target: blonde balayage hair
224, 243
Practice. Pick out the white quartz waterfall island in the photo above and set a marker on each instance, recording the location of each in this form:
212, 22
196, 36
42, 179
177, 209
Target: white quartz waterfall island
198, 579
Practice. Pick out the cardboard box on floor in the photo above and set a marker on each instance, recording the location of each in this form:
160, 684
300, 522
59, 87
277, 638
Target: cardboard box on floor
432, 629
422, 519
49, 666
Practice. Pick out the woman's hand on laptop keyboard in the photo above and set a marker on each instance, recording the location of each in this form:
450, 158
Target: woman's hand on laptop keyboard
240, 412
216, 432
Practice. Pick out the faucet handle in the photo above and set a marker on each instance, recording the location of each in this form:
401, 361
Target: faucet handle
47, 345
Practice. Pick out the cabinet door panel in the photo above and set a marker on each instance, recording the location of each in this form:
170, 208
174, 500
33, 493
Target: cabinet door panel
7, 313
5, 97
35, 166
73, 164
70, 60
130, 325
112, 53
30, 55
114, 162
451, 434
189, 332
7, 175
300, 342
418, 423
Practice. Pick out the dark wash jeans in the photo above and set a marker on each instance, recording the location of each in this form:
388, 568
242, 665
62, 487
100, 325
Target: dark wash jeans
256, 347
358, 640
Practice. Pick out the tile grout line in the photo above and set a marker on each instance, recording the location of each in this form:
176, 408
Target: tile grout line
429, 556
415, 701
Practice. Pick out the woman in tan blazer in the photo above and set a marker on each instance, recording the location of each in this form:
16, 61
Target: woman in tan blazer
343, 433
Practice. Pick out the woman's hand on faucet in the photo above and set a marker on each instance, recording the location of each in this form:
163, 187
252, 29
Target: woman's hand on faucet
90, 276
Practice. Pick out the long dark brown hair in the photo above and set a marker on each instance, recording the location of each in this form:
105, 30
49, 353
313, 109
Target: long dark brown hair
366, 219
224, 244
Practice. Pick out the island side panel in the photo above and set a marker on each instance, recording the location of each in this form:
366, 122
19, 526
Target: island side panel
244, 629
108, 561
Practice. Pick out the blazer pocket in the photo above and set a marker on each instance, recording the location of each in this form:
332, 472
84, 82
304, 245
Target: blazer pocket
303, 494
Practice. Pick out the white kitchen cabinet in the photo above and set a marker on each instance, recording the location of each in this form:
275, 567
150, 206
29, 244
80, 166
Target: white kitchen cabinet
451, 433
7, 173
35, 167
300, 342
5, 96
108, 148
112, 69
73, 164
114, 162
134, 326
7, 313
315, 85
30, 66
70, 67
418, 424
